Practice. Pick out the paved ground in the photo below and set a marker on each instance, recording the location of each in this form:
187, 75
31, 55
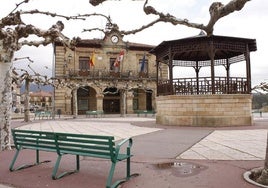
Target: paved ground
163, 156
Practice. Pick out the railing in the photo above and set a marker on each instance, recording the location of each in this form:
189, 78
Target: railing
104, 74
192, 86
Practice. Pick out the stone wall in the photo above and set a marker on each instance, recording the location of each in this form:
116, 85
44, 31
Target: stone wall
204, 110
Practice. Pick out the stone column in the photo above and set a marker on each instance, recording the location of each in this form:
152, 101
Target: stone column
99, 98
130, 97
75, 107
68, 106
123, 103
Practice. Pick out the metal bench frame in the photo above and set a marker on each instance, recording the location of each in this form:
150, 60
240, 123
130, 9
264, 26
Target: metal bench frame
95, 113
75, 144
145, 112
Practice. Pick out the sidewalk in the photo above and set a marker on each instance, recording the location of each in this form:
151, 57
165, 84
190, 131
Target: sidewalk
164, 157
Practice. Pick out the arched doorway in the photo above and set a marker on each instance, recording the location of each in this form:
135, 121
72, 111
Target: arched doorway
142, 99
86, 99
111, 101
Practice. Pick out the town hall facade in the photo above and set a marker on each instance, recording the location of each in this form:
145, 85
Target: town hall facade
108, 75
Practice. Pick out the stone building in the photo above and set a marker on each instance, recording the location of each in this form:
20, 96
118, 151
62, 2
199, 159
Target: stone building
39, 100
108, 75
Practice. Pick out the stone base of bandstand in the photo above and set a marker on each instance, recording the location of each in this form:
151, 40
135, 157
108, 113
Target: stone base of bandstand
205, 110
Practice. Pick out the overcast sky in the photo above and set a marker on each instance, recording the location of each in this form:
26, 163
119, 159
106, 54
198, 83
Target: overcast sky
127, 14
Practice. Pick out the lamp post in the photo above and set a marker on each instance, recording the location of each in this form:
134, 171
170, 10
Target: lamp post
53, 92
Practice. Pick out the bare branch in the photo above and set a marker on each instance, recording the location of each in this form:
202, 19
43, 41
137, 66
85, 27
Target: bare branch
53, 14
93, 29
263, 86
141, 28
96, 2
96, 14
217, 10
22, 58
11, 19
17, 5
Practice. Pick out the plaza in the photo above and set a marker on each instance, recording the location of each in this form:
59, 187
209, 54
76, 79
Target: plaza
207, 156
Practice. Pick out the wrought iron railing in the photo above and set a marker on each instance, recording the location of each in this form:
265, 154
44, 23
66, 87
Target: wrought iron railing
104, 74
203, 85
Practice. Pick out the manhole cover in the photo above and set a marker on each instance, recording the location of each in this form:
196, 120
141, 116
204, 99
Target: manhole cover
181, 168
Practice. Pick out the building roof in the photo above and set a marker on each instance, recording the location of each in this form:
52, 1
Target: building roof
41, 94
98, 43
196, 48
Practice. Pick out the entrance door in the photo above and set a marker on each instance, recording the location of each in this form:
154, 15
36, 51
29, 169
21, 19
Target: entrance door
111, 101
86, 99
149, 100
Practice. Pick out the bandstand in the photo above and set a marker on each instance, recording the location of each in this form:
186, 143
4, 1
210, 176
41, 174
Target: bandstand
209, 100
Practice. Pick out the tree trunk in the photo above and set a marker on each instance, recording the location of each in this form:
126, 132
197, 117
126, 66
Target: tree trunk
5, 104
263, 179
27, 101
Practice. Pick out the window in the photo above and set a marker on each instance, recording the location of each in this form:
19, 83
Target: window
143, 65
114, 67
84, 63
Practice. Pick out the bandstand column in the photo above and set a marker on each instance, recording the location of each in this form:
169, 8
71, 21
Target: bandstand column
157, 76
248, 69
197, 77
211, 54
228, 75
170, 66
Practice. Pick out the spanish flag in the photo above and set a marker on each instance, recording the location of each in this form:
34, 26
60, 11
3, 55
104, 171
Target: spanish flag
92, 60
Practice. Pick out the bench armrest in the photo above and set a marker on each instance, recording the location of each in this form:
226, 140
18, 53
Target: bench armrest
118, 147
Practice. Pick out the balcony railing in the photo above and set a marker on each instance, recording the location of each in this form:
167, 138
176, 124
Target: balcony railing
192, 86
104, 74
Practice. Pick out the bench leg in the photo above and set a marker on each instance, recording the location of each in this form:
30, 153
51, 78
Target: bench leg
11, 167
118, 182
110, 177
56, 167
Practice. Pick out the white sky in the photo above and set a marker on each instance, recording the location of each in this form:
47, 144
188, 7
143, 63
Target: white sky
247, 23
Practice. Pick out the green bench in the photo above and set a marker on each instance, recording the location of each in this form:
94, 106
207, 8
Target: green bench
42, 114
75, 144
145, 112
94, 113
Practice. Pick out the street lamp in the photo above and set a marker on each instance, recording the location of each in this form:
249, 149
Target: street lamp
53, 95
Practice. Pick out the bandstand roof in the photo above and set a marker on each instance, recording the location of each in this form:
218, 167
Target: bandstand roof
188, 51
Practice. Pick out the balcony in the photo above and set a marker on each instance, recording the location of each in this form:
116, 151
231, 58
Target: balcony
106, 75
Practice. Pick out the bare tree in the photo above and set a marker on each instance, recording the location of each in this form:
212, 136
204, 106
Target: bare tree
20, 76
12, 29
260, 175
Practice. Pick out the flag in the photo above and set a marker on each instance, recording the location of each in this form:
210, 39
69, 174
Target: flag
119, 59
92, 60
143, 63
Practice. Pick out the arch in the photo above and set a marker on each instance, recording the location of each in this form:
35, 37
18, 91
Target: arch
111, 100
86, 99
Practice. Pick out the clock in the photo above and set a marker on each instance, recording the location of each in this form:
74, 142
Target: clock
114, 39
